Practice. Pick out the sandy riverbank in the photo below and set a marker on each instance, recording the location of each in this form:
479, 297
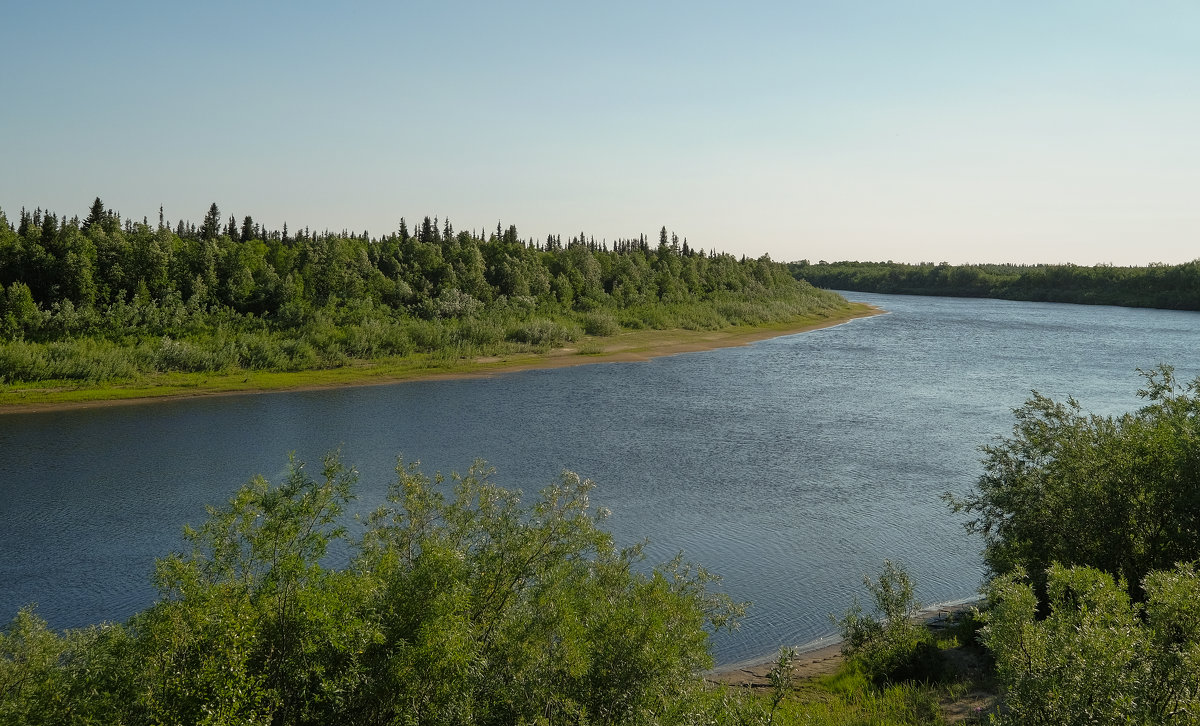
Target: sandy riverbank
823, 656
638, 345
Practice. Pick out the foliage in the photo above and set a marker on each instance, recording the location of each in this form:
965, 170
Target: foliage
780, 680
890, 646
1175, 287
110, 299
846, 698
1097, 657
459, 606
1119, 494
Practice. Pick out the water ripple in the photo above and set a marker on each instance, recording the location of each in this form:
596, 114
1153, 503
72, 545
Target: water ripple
793, 467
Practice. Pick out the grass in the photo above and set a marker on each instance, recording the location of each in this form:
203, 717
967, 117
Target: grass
846, 696
623, 346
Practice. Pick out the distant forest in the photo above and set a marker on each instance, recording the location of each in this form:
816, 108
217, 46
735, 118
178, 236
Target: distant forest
107, 298
1173, 287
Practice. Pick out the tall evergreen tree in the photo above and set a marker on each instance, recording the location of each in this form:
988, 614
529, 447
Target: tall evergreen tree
95, 214
212, 223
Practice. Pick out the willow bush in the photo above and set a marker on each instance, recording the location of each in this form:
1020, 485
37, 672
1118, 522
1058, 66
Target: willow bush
461, 603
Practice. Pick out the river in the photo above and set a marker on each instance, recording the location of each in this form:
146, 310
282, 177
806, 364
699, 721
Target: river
792, 466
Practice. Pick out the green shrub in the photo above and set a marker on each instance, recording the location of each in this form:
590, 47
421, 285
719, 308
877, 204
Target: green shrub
600, 323
428, 335
647, 316
479, 333
90, 360
461, 604
699, 317
1116, 493
21, 361
258, 351
188, 356
543, 333
1097, 657
300, 355
890, 646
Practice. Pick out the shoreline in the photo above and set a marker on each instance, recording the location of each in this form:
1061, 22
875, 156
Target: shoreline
633, 346
823, 655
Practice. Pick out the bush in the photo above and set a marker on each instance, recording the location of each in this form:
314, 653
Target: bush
1118, 494
189, 356
890, 646
479, 333
428, 335
461, 604
261, 351
1097, 657
600, 323
542, 333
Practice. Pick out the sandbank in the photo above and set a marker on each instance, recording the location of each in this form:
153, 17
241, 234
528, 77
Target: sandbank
823, 656
640, 345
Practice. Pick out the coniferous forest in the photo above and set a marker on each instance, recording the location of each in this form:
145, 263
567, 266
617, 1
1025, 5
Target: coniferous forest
1170, 287
108, 298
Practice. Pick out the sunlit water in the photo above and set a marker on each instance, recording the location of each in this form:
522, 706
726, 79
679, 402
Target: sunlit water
792, 467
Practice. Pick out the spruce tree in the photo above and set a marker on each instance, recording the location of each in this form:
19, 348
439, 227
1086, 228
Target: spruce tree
95, 214
212, 223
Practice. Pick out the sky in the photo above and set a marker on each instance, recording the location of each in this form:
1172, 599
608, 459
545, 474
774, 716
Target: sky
1025, 132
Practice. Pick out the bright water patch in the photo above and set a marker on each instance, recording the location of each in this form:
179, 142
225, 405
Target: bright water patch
793, 466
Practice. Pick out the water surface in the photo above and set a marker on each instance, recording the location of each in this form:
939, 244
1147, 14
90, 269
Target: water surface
792, 466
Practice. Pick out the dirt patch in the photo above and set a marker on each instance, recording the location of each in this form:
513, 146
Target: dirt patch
822, 662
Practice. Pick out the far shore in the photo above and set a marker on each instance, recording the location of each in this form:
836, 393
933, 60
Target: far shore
641, 345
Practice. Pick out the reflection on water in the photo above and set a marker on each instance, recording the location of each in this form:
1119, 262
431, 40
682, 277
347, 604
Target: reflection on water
792, 466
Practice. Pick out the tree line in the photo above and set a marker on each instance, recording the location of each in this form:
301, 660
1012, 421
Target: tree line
106, 297
1172, 287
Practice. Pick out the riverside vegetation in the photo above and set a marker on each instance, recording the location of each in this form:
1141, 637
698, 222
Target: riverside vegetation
461, 603
107, 303
460, 607
1091, 528
1172, 287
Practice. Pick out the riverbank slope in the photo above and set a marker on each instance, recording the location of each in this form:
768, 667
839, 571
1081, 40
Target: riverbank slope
627, 346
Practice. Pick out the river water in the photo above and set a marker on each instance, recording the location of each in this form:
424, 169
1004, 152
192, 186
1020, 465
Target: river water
792, 466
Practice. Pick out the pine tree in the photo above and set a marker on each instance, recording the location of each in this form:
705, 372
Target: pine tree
212, 223
95, 215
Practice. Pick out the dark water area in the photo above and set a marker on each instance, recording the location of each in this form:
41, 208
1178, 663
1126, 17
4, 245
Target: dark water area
792, 467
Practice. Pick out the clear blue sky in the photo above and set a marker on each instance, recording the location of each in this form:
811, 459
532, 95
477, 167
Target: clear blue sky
956, 131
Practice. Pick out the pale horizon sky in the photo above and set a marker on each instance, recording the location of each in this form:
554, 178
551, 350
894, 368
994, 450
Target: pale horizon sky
918, 131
